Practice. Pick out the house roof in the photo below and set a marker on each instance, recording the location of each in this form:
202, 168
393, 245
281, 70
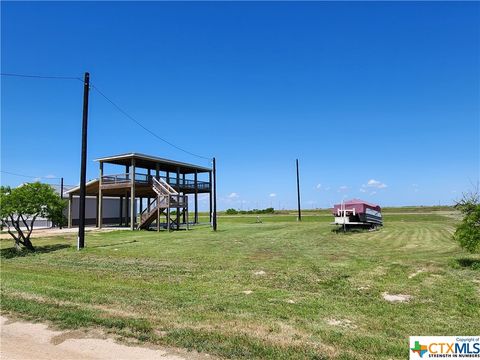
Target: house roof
151, 162
91, 188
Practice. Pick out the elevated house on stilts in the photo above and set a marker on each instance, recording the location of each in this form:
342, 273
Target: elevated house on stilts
151, 192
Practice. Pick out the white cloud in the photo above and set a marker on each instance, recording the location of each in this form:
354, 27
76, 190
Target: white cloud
373, 193
376, 184
50, 176
321, 187
372, 184
343, 188
233, 195
272, 195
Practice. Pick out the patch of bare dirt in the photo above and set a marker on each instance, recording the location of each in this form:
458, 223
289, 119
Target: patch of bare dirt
396, 297
344, 323
259, 273
412, 275
75, 334
22, 340
363, 288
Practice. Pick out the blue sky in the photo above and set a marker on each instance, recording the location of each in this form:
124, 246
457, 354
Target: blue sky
378, 100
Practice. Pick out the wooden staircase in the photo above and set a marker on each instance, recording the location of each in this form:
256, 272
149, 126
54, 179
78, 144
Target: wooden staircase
160, 206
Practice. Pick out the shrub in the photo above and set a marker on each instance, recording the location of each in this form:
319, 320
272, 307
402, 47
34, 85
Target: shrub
21, 206
253, 211
468, 231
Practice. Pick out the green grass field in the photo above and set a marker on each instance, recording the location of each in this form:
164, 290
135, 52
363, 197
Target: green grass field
277, 289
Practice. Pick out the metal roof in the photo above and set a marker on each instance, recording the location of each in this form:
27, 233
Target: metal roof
88, 186
150, 162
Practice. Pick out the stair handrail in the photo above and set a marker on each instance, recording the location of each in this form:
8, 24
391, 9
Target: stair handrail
160, 190
150, 207
170, 189
165, 193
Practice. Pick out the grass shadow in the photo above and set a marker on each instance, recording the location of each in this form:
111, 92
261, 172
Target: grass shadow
351, 230
10, 253
473, 264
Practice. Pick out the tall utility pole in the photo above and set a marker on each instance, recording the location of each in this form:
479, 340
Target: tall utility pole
214, 195
298, 195
83, 166
61, 197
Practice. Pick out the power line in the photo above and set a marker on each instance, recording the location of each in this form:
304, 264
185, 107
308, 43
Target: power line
30, 176
111, 102
42, 76
145, 128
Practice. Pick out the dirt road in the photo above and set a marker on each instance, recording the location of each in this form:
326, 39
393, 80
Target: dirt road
26, 341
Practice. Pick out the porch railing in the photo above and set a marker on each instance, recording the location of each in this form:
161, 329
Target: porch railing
116, 179
147, 179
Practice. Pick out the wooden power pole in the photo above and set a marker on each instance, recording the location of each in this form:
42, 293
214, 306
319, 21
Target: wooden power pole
214, 195
298, 195
61, 197
83, 165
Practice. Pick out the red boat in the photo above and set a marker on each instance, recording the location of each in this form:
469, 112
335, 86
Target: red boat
357, 212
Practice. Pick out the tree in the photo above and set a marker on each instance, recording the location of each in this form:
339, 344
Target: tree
468, 231
20, 207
